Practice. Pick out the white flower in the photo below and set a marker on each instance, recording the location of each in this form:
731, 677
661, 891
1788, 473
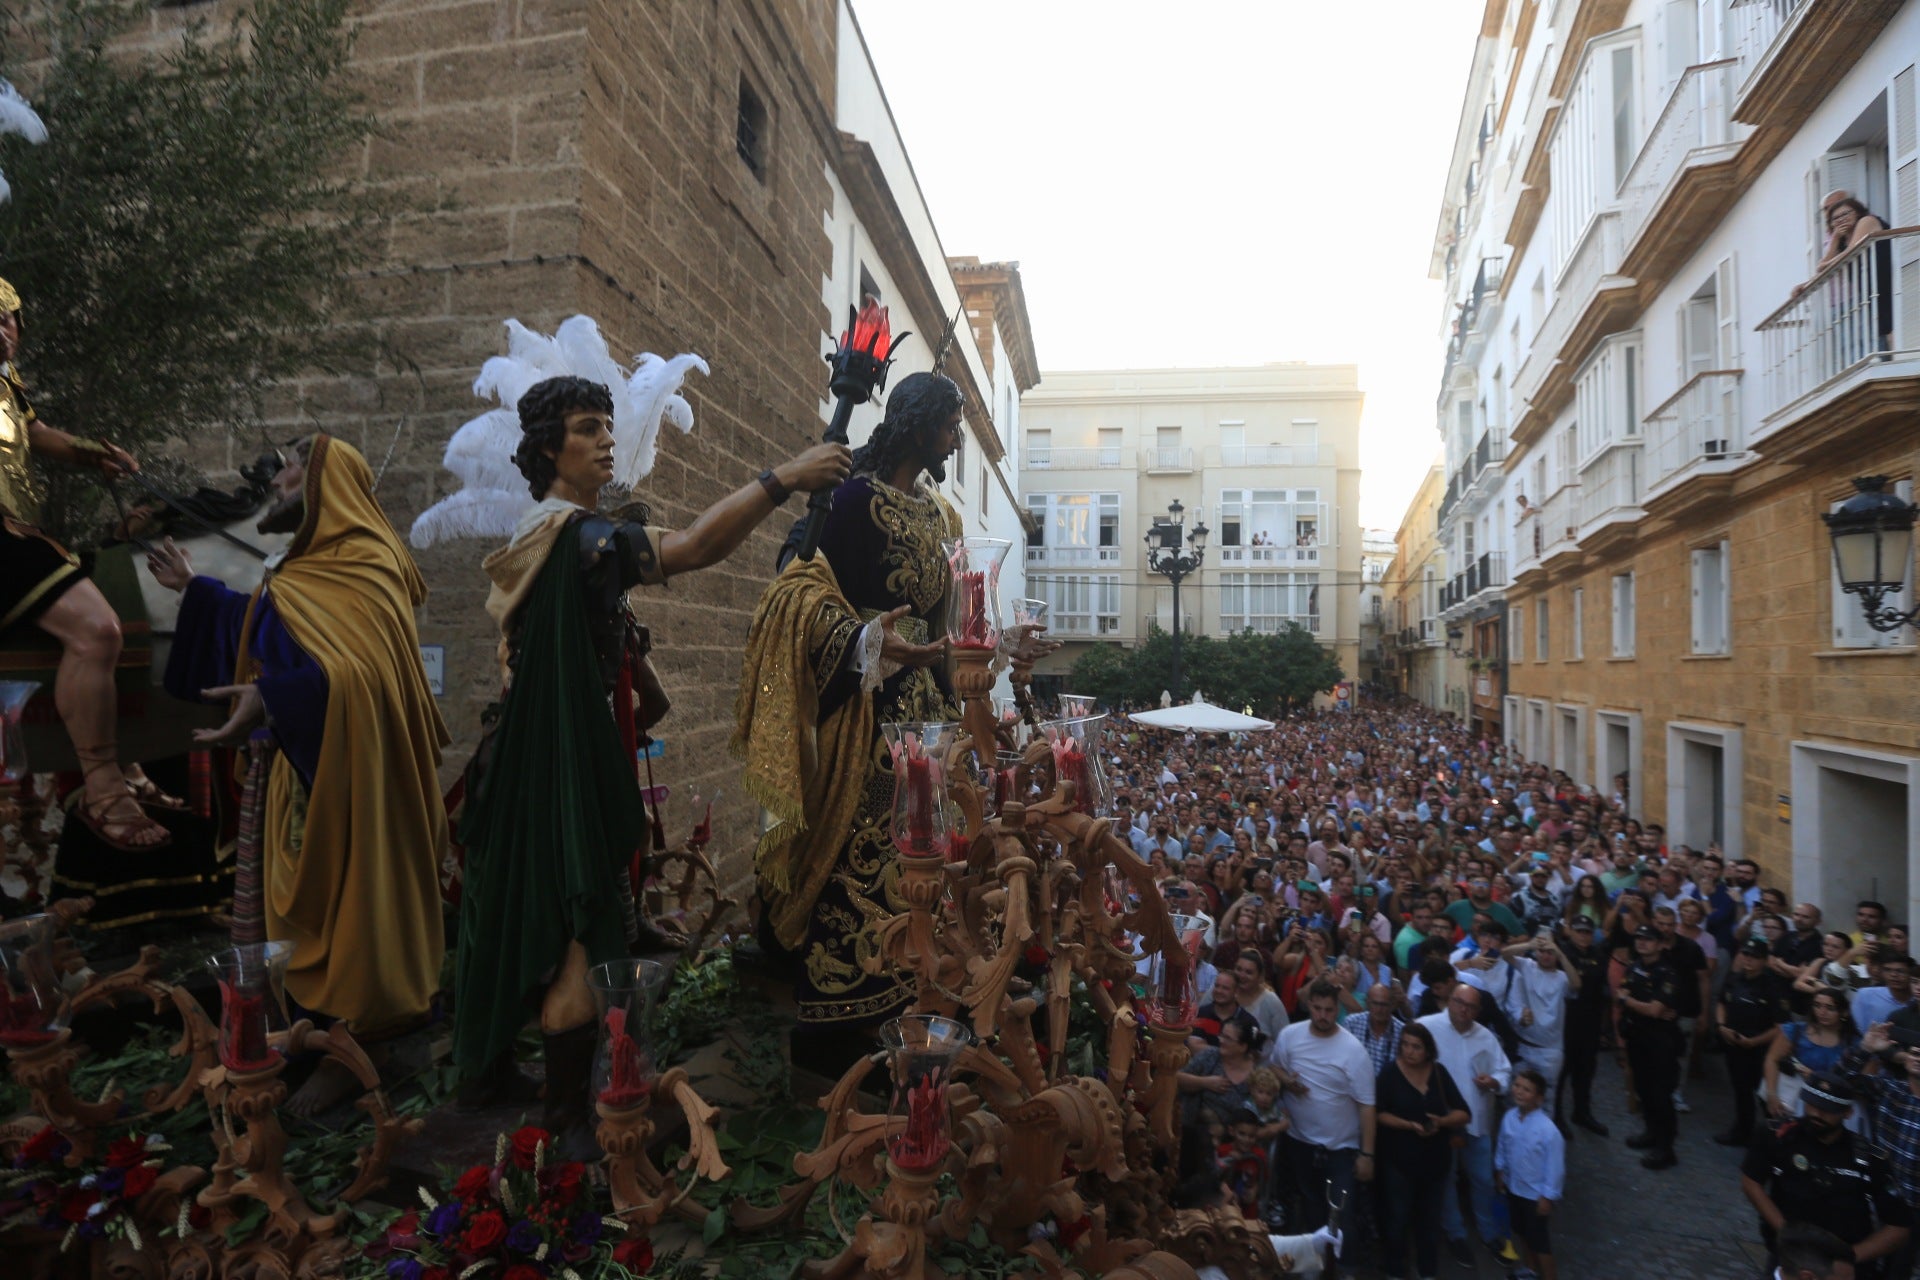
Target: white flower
426, 1198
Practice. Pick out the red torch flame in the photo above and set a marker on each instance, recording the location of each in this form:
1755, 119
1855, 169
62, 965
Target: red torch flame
872, 335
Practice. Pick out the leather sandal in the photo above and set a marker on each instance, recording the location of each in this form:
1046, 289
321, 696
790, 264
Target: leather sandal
148, 792
96, 816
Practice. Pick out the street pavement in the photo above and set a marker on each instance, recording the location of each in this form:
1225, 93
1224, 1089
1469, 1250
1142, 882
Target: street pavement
1622, 1222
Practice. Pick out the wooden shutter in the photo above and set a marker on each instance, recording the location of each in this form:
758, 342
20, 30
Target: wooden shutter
1903, 135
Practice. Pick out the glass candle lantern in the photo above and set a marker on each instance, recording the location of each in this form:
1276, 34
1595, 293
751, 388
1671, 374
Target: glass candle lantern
1172, 994
973, 591
922, 1050
1073, 705
925, 823
13, 739
1077, 744
253, 1003
1030, 615
31, 1009
624, 992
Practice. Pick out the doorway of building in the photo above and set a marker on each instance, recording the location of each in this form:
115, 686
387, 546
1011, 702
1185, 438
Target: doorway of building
1863, 840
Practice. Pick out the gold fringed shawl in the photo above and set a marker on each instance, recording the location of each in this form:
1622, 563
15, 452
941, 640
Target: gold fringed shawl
358, 891
809, 776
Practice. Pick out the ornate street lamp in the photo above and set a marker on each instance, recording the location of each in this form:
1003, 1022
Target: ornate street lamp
1454, 636
1872, 536
1174, 553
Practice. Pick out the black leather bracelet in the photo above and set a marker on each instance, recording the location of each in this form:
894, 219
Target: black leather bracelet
775, 490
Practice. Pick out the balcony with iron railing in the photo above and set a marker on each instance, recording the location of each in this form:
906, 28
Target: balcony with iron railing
1490, 571
1684, 177
1476, 314
1163, 458
1075, 557
1267, 624
1547, 530
1697, 431
1275, 455
1855, 323
1048, 458
1611, 486
1794, 53
1294, 557
1591, 272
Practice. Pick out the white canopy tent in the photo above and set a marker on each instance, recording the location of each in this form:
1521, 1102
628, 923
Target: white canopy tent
1200, 716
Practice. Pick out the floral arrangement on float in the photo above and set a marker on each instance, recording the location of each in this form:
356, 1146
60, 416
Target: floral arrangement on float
93, 1199
526, 1216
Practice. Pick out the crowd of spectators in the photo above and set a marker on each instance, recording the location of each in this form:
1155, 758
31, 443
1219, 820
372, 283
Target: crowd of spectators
1419, 948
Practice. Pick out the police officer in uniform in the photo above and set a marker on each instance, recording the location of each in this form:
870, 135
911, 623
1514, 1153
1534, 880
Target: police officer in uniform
1649, 1002
1586, 1019
1753, 1004
1809, 1169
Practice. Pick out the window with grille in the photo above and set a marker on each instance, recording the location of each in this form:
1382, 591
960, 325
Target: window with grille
750, 130
1268, 602
1080, 604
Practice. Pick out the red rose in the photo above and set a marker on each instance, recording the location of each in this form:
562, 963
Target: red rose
484, 1233
1036, 955
635, 1255
1072, 1231
474, 1183
40, 1145
436, 1273
522, 1271
74, 1203
140, 1180
525, 1141
566, 1175
199, 1217
125, 1153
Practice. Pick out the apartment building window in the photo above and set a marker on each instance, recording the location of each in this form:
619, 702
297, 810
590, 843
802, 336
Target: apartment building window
1594, 140
1075, 528
1166, 441
986, 473
1712, 600
1109, 446
1607, 397
1576, 624
1540, 636
1080, 604
750, 130
1272, 518
1623, 615
1850, 629
960, 458
1516, 634
1267, 602
1039, 449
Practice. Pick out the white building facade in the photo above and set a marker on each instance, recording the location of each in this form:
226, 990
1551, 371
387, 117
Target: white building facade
1266, 456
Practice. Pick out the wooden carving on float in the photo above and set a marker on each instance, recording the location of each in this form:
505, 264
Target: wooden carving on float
1031, 1142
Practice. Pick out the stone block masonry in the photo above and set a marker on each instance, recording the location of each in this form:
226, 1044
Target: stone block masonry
560, 156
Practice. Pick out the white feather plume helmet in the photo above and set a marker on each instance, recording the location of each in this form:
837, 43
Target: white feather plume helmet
493, 494
16, 116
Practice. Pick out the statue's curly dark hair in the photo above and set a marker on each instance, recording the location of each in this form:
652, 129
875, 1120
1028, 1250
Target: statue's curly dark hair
915, 410
918, 407
543, 424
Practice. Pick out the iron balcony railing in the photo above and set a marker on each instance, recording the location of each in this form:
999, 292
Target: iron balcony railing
1085, 556
1697, 116
1270, 557
1700, 423
1051, 459
1754, 26
1611, 485
1849, 315
1166, 458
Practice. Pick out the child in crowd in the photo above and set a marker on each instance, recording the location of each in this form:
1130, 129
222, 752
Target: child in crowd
1242, 1161
1530, 1163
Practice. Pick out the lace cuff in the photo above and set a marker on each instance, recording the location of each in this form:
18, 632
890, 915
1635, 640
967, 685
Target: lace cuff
874, 669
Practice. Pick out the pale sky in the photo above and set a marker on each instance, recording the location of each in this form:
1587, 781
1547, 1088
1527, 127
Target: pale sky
1221, 182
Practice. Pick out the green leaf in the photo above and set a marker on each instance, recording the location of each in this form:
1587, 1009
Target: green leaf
715, 1226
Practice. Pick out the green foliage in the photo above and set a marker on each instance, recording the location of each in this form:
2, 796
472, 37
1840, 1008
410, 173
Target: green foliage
180, 238
701, 999
1270, 673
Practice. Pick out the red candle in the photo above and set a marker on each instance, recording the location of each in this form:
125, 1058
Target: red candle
973, 615
22, 1020
1071, 763
925, 1139
243, 1031
958, 847
626, 1073
919, 803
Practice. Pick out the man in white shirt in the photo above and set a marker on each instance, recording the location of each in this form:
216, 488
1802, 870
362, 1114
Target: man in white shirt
1328, 1077
1536, 1005
1473, 1057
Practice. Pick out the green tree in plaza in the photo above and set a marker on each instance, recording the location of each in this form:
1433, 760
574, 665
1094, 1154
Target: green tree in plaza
182, 235
1272, 673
